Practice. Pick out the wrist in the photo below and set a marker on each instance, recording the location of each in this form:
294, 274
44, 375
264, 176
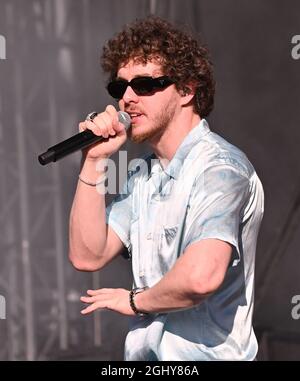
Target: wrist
132, 301
92, 162
100, 181
93, 169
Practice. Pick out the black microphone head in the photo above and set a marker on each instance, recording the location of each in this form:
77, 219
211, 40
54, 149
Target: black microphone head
125, 119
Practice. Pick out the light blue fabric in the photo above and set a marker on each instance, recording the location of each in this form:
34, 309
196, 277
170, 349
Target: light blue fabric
208, 190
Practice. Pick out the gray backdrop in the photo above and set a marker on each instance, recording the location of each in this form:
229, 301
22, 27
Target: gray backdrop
51, 79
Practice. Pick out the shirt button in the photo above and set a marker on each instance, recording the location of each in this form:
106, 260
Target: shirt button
149, 236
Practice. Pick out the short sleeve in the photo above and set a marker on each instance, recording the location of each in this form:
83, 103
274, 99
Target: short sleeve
216, 207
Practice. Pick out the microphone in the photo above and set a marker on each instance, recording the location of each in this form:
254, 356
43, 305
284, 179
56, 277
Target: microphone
77, 142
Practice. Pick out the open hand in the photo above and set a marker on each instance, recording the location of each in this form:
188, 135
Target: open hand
114, 299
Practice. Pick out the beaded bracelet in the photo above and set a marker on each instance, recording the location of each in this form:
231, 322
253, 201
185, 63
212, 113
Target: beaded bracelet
132, 294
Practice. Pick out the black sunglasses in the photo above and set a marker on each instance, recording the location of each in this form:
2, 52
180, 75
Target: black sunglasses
140, 85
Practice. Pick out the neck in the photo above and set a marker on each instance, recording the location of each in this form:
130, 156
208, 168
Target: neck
165, 145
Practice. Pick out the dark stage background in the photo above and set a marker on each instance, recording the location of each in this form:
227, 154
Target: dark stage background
51, 79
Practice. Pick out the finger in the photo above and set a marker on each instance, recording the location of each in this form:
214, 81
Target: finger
91, 308
111, 110
106, 122
95, 300
88, 299
111, 120
93, 295
82, 126
88, 309
93, 127
120, 128
94, 292
100, 291
113, 113
89, 125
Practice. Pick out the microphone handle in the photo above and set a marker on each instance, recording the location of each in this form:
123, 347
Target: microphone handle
78, 142
68, 146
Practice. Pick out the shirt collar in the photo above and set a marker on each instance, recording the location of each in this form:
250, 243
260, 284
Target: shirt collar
175, 165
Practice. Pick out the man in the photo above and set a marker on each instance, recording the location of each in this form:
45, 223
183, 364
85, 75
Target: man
189, 214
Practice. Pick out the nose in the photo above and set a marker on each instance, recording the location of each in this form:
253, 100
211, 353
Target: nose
130, 96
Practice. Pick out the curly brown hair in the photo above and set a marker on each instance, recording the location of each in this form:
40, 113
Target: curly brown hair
180, 55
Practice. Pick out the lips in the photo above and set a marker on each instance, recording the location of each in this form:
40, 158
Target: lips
133, 113
136, 119
135, 116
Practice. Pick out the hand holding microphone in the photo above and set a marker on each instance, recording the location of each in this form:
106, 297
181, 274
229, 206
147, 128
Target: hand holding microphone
97, 128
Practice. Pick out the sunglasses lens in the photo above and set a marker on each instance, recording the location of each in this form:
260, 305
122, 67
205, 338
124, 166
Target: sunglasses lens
117, 88
142, 86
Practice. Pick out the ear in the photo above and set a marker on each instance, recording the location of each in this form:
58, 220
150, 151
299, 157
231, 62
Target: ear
187, 93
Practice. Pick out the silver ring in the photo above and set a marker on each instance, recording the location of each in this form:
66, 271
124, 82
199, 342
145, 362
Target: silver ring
91, 116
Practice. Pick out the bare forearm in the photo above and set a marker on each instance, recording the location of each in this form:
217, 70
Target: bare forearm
178, 289
88, 229
167, 297
197, 273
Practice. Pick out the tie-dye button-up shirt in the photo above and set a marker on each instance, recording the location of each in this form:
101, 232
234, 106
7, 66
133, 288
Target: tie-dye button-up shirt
208, 190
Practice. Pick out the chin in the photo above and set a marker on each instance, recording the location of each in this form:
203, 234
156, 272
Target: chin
138, 138
140, 135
